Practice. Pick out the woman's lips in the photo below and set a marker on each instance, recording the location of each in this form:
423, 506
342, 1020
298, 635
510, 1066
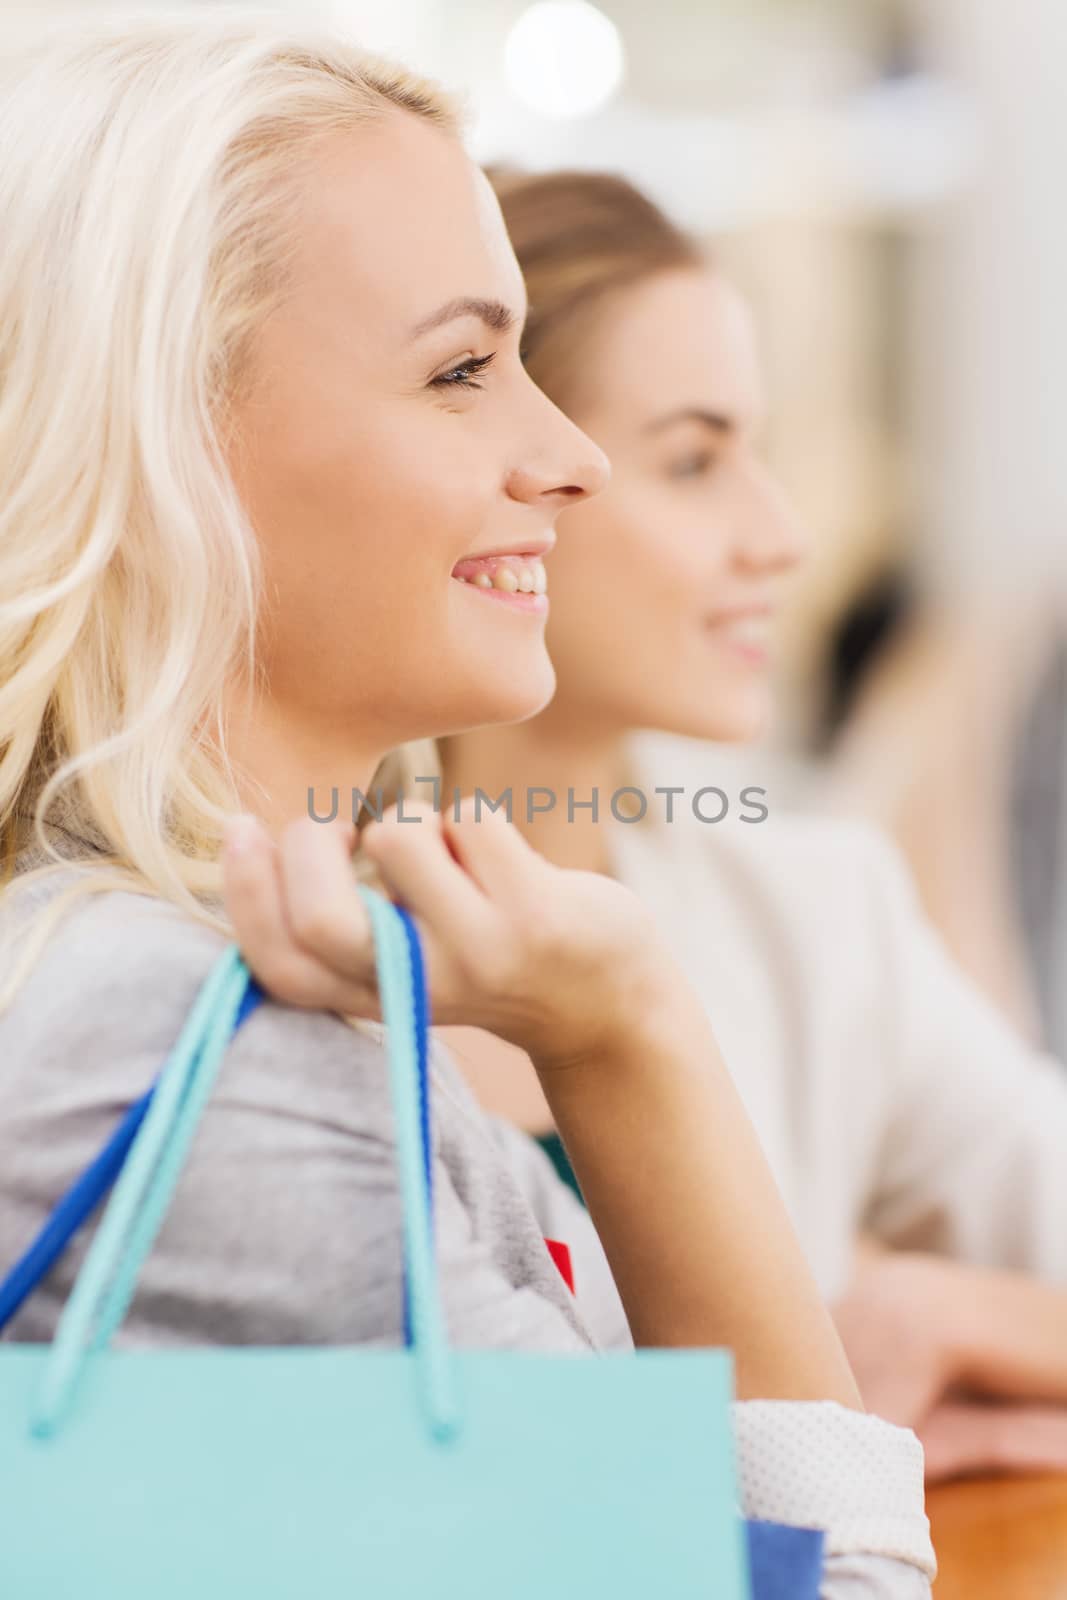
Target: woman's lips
746, 634
516, 580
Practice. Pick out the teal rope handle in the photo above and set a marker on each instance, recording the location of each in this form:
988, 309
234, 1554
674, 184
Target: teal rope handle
79, 1317
429, 1337
156, 1202
142, 1195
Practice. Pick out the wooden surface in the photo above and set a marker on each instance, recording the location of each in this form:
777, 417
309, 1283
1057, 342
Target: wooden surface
1000, 1539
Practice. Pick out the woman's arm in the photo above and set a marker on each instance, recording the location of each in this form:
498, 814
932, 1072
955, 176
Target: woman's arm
1006, 1333
566, 965
933, 1342
683, 1202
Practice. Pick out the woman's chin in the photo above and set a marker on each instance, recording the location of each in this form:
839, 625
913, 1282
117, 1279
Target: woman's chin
502, 697
740, 721
528, 698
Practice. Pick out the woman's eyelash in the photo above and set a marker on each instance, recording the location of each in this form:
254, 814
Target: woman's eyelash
461, 376
693, 466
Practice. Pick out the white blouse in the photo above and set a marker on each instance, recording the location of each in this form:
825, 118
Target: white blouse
888, 1093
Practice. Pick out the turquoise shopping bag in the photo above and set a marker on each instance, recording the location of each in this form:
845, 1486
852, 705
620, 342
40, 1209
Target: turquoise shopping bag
290, 1474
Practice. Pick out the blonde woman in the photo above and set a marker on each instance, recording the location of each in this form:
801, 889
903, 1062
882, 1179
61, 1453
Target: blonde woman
890, 1097
261, 410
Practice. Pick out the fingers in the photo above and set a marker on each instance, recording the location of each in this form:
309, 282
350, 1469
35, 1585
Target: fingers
1033, 1439
305, 934
956, 1442
324, 912
962, 1438
254, 891
493, 852
417, 866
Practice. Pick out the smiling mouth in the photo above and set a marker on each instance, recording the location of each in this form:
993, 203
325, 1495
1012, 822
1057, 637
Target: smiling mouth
517, 580
748, 635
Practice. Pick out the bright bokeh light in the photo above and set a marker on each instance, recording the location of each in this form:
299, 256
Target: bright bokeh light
564, 58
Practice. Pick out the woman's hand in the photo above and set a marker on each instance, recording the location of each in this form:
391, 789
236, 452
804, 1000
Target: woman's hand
896, 1322
973, 1359
965, 1438
557, 962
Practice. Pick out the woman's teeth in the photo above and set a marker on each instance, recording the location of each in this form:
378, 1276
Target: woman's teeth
510, 576
748, 630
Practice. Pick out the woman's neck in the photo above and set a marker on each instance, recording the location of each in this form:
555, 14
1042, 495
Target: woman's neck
289, 767
572, 763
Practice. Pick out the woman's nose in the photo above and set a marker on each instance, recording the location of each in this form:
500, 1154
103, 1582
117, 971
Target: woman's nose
563, 468
773, 537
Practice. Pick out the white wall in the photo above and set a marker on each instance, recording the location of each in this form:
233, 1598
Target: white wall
989, 325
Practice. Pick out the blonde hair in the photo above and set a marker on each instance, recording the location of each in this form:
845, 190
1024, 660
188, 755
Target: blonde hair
149, 170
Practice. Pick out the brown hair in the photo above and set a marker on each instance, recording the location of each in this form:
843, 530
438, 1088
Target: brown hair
581, 238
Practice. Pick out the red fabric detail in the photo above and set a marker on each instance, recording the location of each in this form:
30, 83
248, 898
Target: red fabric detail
561, 1255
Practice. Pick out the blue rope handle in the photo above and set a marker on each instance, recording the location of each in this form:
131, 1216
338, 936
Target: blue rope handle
422, 1034
422, 1024
85, 1194
79, 1319
167, 1119
83, 1197
402, 1005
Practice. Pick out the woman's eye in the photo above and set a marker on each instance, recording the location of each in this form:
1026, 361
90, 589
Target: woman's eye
693, 466
463, 375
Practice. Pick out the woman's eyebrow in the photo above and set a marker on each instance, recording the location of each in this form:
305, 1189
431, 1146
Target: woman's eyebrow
717, 420
494, 313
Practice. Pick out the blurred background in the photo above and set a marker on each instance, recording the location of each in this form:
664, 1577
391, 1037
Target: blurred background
884, 179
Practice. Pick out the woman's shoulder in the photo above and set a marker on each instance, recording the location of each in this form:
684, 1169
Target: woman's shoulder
843, 859
744, 828
116, 976
816, 874
104, 1003
105, 944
